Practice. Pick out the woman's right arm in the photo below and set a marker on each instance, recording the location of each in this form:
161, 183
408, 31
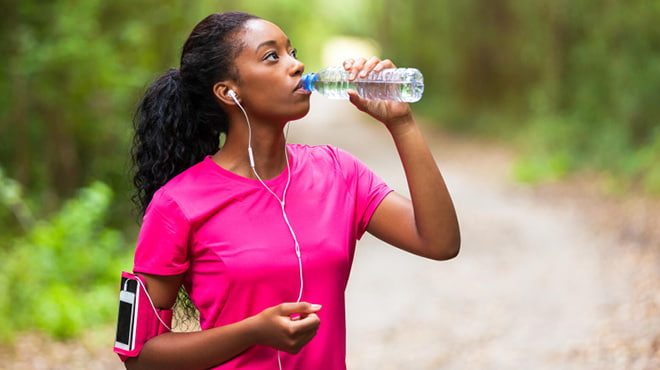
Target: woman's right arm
273, 327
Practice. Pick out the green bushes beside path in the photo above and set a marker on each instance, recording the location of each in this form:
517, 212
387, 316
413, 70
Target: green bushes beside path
62, 276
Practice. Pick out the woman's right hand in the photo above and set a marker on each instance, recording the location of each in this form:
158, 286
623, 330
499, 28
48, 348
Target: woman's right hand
288, 327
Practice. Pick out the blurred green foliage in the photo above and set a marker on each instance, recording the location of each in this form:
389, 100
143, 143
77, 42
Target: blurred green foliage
62, 276
70, 77
571, 83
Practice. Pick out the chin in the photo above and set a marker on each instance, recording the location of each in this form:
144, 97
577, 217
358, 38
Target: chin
302, 113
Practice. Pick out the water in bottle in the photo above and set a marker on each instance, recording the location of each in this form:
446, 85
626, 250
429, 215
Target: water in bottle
397, 84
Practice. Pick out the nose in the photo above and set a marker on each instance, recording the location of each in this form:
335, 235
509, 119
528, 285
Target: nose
297, 67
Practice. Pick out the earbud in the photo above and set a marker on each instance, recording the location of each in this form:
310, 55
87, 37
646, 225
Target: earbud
232, 95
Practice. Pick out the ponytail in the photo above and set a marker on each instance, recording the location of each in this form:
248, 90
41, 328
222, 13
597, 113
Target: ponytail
167, 139
179, 120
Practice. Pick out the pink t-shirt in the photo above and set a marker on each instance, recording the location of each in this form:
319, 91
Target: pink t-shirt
228, 235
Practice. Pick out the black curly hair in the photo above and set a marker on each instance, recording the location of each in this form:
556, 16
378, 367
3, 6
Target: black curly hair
179, 121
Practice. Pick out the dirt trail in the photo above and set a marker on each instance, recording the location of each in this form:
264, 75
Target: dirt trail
536, 286
541, 283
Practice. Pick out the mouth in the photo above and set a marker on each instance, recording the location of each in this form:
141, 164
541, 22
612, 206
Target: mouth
299, 85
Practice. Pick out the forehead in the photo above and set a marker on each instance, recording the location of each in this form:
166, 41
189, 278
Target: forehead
256, 32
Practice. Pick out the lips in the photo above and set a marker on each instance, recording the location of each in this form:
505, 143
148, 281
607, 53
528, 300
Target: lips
299, 85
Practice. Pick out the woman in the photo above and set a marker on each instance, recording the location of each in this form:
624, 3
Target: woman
261, 233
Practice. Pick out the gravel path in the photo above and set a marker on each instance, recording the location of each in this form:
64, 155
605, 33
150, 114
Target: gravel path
541, 281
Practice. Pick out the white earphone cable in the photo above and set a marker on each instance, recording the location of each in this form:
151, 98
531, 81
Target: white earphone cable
153, 307
282, 202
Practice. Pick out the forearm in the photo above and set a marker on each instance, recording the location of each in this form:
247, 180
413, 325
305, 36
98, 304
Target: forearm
427, 225
434, 215
196, 350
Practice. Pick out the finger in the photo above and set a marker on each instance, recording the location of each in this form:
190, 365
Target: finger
305, 326
356, 68
311, 321
357, 101
348, 63
288, 309
384, 64
301, 339
313, 309
368, 66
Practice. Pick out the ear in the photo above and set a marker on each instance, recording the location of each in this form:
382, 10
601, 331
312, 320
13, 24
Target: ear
221, 91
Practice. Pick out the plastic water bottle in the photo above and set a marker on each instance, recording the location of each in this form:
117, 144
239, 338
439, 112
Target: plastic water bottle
397, 84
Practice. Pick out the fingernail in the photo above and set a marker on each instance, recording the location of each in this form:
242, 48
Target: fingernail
316, 307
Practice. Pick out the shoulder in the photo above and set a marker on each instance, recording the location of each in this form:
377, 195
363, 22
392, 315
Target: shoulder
165, 207
182, 189
329, 164
321, 154
193, 174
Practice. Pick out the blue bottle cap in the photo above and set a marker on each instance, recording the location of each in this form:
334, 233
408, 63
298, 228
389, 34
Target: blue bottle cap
308, 80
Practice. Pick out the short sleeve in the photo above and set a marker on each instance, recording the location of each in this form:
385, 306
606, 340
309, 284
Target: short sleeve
367, 187
162, 245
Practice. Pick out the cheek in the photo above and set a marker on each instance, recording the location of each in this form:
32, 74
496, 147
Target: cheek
265, 94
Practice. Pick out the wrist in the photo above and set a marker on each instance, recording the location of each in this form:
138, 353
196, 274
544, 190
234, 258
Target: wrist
254, 328
402, 125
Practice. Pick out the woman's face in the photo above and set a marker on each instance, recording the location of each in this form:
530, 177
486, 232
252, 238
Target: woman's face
269, 74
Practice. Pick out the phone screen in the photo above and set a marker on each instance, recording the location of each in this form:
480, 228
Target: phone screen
124, 324
126, 317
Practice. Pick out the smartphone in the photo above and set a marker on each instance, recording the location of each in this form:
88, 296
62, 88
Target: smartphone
126, 319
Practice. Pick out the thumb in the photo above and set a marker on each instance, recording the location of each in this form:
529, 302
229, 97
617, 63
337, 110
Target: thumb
299, 308
359, 102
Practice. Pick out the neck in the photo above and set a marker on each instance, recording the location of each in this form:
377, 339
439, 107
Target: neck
268, 150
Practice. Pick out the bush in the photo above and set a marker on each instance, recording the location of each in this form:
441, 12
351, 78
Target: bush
62, 276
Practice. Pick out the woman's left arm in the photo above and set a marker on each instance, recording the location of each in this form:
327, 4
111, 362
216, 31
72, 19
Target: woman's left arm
426, 224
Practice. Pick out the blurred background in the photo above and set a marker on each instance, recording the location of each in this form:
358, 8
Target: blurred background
570, 85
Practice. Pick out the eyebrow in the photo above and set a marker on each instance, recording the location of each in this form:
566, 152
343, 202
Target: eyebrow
271, 43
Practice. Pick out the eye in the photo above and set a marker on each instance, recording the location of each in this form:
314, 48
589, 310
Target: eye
271, 56
294, 53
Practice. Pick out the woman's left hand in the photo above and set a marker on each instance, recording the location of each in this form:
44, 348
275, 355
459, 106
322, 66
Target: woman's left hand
391, 113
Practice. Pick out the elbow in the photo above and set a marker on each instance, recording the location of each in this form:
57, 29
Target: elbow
446, 253
445, 242
130, 364
447, 248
